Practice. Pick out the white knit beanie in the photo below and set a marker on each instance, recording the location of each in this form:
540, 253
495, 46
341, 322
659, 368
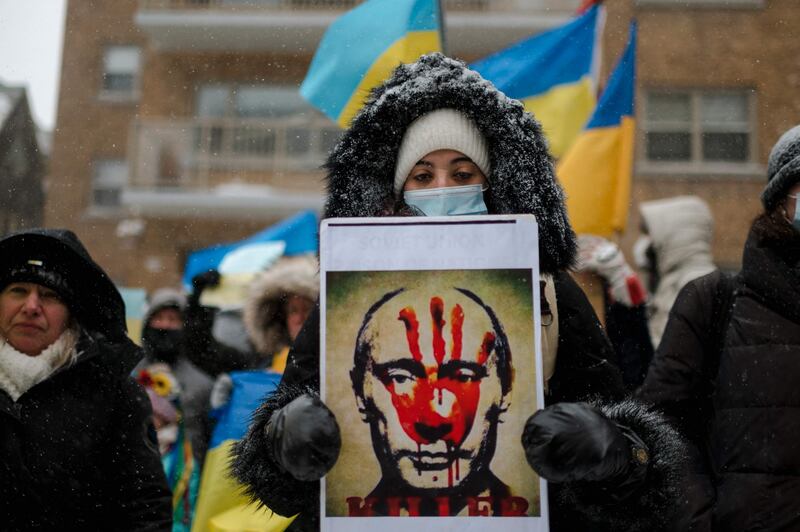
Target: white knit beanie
443, 129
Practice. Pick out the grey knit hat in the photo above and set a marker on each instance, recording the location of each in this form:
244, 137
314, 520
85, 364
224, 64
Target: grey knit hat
164, 298
783, 170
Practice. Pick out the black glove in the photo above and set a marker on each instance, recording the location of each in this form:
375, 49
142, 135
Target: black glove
575, 441
204, 280
201, 281
304, 438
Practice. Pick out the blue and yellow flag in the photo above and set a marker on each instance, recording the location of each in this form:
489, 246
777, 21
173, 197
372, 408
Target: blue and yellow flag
554, 74
239, 262
135, 300
362, 47
221, 503
596, 173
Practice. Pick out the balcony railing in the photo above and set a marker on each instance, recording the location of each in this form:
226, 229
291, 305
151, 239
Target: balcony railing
474, 28
206, 152
292, 5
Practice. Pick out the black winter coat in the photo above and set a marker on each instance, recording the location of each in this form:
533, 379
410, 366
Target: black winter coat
583, 371
77, 451
361, 183
736, 397
206, 352
627, 329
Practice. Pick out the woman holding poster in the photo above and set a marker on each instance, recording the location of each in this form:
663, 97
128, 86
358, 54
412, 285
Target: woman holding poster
437, 139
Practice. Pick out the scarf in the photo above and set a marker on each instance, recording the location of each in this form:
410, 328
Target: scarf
20, 372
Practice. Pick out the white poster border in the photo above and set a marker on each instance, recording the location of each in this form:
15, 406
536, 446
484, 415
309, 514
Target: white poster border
340, 252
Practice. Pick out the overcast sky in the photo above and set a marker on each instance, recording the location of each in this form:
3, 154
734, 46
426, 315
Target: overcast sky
31, 36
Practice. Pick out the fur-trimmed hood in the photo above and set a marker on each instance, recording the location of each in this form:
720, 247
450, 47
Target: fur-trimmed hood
263, 311
522, 181
57, 258
681, 229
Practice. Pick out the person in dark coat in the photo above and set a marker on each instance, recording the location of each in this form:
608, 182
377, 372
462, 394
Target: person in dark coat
624, 305
728, 366
277, 303
216, 340
613, 462
162, 337
674, 248
77, 449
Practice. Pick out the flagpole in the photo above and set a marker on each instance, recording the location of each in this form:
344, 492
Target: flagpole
441, 27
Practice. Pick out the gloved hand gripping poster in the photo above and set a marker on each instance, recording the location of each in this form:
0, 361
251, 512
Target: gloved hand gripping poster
431, 364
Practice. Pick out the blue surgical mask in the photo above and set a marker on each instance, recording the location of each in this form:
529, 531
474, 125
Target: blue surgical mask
796, 220
447, 201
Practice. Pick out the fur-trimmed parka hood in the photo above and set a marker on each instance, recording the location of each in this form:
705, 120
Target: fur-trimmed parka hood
522, 181
263, 311
681, 229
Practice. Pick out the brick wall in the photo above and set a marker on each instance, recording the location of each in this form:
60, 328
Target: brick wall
716, 48
89, 128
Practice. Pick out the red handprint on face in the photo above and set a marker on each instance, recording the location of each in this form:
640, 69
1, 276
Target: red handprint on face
437, 402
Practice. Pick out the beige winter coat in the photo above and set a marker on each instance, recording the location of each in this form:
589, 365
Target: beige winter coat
681, 229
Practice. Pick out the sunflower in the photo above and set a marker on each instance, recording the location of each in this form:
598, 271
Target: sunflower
161, 384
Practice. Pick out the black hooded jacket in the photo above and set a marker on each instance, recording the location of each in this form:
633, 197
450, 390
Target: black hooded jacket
77, 450
736, 395
360, 183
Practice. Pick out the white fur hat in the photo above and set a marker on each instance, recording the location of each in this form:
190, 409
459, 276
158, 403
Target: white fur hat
443, 129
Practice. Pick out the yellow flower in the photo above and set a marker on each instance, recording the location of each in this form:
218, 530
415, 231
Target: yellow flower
161, 384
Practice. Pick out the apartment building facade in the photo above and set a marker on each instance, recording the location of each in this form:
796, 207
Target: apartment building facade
180, 126
717, 85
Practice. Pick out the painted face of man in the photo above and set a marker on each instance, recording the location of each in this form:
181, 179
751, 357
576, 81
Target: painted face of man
433, 382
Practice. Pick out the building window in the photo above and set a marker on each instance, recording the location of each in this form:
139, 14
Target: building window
249, 101
698, 129
261, 121
121, 70
109, 179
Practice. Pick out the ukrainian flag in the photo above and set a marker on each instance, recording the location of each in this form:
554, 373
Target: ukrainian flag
135, 300
362, 47
596, 173
221, 505
183, 479
239, 262
554, 74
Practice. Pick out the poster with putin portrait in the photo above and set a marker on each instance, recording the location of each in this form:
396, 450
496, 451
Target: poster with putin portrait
431, 364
